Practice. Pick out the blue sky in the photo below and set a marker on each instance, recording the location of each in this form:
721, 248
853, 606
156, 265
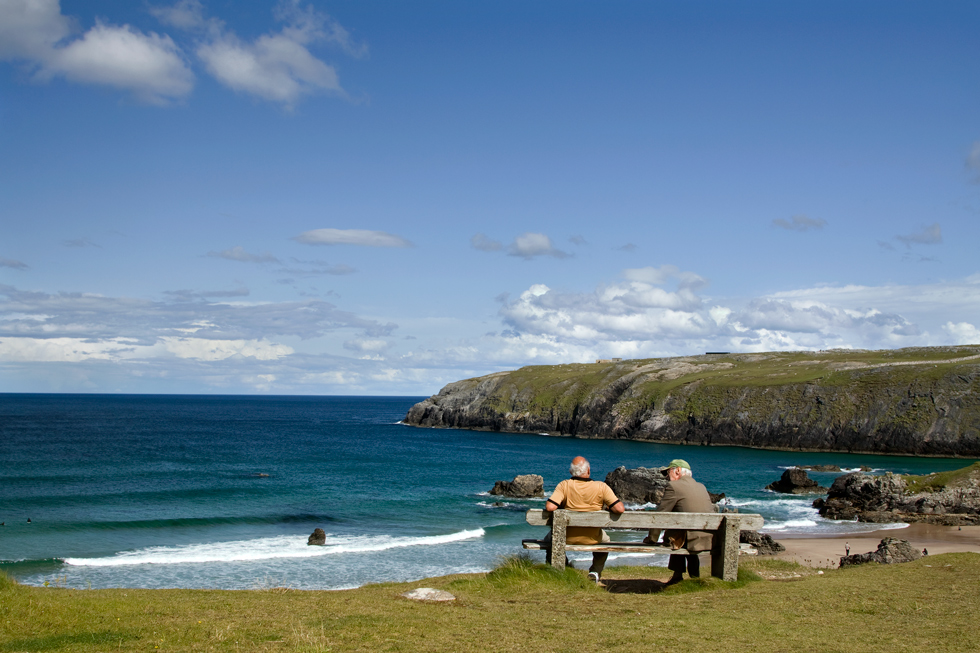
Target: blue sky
383, 197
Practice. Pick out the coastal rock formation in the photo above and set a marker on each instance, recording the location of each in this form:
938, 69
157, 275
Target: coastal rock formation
642, 485
639, 485
522, 487
919, 401
763, 543
318, 538
821, 468
949, 498
796, 481
890, 551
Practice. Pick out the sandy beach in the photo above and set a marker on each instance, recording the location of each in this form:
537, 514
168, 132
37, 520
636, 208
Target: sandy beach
827, 551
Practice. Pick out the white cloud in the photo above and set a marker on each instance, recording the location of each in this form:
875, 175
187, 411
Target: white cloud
214, 350
186, 15
963, 333
238, 253
529, 245
148, 65
485, 244
367, 346
352, 237
644, 317
973, 160
277, 66
931, 235
800, 223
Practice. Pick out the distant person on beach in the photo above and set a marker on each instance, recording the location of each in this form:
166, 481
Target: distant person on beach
582, 494
684, 494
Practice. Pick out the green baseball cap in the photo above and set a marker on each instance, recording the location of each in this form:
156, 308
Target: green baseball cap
676, 462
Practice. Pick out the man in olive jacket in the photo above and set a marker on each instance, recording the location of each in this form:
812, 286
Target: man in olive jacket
684, 494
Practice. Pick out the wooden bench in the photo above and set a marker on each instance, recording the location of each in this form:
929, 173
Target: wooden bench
724, 526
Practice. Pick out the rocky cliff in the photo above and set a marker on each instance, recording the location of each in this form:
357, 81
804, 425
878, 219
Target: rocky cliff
920, 401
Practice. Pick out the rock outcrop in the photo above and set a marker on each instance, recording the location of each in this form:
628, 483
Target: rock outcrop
950, 498
318, 538
796, 481
522, 487
890, 551
763, 543
922, 401
639, 485
642, 485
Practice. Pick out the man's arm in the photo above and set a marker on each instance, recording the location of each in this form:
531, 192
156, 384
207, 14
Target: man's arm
617, 508
554, 503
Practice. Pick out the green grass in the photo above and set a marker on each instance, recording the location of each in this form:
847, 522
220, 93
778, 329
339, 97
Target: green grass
930, 604
940, 480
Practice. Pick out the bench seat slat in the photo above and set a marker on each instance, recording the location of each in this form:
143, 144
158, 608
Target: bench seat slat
644, 519
611, 547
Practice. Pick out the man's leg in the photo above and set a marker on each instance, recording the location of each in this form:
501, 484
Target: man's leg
598, 562
677, 565
693, 565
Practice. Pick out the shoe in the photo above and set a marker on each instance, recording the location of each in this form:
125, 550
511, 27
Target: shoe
674, 580
594, 577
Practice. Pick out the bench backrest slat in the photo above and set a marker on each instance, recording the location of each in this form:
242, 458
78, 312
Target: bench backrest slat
693, 521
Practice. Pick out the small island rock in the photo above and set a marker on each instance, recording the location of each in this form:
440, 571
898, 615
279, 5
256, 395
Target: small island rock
522, 487
796, 481
318, 538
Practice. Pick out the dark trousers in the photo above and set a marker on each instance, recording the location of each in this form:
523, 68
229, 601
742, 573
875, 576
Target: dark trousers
690, 563
598, 561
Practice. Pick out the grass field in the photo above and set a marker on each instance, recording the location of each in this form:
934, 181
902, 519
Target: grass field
931, 604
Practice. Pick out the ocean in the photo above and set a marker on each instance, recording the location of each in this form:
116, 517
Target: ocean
223, 491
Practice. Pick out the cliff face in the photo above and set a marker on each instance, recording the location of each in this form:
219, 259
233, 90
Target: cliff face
922, 401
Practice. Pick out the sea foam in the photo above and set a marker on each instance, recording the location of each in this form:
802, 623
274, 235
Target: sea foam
266, 548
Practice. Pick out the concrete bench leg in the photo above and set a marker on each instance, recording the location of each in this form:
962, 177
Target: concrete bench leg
559, 530
724, 554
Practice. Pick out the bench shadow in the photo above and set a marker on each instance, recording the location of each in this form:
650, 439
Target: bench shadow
634, 586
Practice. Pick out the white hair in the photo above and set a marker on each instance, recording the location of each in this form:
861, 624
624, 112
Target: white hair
579, 470
683, 471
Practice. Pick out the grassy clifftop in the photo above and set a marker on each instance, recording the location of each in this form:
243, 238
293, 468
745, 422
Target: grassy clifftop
922, 401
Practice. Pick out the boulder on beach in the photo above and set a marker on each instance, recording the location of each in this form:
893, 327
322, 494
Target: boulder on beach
762, 542
522, 487
796, 481
890, 551
318, 538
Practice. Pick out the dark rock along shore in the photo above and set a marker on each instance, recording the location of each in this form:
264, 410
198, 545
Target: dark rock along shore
921, 401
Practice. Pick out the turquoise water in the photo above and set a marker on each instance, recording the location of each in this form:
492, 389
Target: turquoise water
222, 492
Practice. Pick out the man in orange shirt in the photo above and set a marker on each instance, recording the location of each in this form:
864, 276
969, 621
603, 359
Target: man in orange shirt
582, 494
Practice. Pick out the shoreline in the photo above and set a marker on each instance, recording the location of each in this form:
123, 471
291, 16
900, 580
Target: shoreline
825, 551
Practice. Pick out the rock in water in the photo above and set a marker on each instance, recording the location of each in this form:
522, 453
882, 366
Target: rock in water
428, 594
763, 543
796, 481
522, 487
643, 485
318, 538
890, 551
640, 485
820, 468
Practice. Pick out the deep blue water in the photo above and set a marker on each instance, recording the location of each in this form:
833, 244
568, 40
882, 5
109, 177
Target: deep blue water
211, 491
